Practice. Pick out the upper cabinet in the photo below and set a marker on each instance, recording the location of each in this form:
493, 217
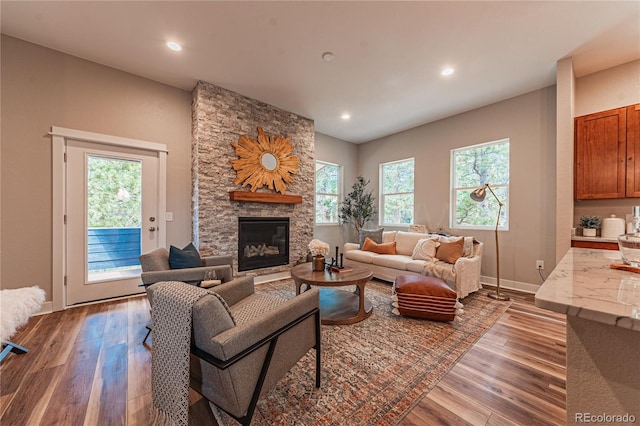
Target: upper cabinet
633, 151
606, 146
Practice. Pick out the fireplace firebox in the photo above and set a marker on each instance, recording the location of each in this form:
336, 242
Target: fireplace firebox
263, 242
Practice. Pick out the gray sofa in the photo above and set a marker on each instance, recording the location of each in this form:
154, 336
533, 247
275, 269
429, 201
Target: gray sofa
463, 276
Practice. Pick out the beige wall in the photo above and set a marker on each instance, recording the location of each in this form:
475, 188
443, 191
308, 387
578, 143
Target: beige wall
565, 105
611, 88
337, 151
529, 122
43, 88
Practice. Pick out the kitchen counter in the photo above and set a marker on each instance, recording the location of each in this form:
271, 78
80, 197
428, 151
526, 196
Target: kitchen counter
594, 239
583, 285
603, 339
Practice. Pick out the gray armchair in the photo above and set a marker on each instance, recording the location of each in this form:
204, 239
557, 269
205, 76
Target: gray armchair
237, 356
156, 268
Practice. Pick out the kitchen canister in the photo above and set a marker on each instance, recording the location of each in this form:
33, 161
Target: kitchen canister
612, 227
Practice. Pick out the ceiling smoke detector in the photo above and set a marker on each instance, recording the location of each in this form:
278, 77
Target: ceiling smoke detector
328, 56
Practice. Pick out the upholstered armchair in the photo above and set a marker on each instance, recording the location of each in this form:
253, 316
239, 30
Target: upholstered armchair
155, 268
241, 350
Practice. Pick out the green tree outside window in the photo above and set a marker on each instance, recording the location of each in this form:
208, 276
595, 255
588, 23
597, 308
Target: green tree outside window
114, 193
472, 167
396, 192
327, 192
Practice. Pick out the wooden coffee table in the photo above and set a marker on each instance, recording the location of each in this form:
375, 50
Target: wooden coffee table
337, 306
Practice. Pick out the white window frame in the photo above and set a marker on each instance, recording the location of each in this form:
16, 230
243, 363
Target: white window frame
338, 195
382, 195
494, 185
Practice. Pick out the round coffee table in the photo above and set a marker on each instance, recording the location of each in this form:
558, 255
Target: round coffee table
337, 306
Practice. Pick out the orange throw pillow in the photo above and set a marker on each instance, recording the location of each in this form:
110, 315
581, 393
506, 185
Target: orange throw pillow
385, 248
451, 251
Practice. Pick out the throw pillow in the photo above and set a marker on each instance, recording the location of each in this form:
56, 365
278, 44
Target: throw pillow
425, 249
451, 251
187, 257
386, 248
468, 244
374, 234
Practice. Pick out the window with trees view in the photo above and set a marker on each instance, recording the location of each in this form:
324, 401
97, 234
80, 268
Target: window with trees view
472, 167
328, 189
396, 192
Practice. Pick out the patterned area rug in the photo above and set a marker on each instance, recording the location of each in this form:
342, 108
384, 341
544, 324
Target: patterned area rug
375, 371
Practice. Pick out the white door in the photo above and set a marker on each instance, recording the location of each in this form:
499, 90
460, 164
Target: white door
112, 216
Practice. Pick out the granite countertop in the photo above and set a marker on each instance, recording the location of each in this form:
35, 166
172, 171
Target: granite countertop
583, 285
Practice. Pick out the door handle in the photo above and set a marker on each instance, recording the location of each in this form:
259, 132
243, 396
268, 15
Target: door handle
152, 228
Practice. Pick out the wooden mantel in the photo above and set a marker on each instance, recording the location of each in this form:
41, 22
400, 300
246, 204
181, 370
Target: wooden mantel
261, 197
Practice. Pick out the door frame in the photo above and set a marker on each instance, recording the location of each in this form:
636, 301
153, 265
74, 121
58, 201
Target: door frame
59, 138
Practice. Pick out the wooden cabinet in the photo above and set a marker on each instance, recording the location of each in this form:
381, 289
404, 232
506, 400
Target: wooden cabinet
607, 144
603, 245
633, 151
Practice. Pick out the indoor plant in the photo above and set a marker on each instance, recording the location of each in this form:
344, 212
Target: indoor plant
589, 225
358, 206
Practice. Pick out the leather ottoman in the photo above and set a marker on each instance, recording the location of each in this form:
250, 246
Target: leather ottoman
424, 297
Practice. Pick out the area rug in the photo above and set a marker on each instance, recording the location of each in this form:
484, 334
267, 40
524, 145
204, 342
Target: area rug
375, 371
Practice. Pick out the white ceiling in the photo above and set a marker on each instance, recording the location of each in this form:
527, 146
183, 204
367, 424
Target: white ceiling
388, 55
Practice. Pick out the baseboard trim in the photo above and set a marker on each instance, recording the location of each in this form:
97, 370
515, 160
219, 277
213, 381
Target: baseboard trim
46, 308
511, 285
261, 279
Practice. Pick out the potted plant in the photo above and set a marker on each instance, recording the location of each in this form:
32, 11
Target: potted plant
358, 206
589, 225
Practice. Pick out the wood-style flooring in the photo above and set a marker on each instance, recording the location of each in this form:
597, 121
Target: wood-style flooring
87, 366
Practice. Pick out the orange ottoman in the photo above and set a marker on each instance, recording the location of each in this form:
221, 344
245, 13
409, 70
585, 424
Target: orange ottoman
424, 297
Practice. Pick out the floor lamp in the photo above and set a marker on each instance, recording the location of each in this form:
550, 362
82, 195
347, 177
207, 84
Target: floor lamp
479, 195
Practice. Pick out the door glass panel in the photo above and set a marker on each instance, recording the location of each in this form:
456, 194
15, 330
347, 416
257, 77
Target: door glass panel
114, 217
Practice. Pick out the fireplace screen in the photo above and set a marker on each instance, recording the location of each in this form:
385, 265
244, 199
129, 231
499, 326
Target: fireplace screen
262, 242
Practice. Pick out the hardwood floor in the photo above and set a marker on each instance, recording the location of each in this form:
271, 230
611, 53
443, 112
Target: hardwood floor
87, 366
514, 375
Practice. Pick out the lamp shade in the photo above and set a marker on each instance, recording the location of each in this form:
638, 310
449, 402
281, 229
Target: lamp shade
479, 194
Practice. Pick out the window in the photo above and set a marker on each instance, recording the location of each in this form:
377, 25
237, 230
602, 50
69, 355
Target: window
328, 188
396, 192
472, 167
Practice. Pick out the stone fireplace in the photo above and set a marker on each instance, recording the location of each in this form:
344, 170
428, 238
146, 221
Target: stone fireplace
219, 117
263, 242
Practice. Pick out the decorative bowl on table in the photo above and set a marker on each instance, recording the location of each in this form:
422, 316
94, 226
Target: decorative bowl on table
629, 245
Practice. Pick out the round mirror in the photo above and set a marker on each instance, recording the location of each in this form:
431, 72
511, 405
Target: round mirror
269, 161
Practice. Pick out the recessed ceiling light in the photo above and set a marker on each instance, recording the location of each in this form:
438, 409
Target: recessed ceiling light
346, 116
328, 56
447, 72
174, 46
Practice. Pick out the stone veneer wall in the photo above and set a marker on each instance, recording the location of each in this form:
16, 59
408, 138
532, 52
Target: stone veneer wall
219, 117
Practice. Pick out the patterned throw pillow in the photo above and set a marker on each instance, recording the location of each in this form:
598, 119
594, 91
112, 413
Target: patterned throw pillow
451, 251
425, 249
386, 248
374, 234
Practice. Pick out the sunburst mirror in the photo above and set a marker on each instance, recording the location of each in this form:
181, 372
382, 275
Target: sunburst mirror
267, 161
